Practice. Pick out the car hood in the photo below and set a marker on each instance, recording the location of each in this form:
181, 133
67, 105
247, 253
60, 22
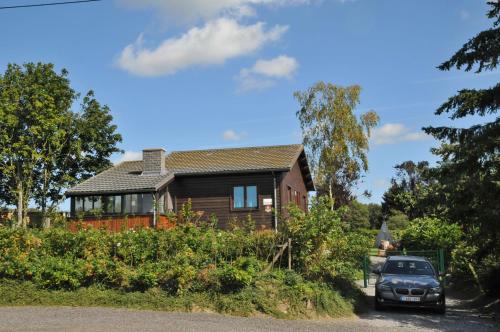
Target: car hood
409, 281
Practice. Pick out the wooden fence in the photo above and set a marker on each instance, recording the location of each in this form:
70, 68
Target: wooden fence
121, 223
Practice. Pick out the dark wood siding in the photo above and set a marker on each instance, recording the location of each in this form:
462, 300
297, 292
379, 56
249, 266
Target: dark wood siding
293, 180
213, 194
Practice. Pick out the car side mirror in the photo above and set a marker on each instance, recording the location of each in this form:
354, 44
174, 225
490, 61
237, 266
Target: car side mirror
377, 270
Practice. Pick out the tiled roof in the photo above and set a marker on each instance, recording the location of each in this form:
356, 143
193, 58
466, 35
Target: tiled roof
126, 176
233, 160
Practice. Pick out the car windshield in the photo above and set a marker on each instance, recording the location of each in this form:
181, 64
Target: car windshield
409, 267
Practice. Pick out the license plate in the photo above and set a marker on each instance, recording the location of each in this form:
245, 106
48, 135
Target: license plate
410, 299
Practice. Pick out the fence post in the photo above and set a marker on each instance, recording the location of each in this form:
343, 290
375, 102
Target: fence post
365, 276
441, 260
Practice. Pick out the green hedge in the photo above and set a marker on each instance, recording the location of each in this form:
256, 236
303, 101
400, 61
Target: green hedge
179, 259
185, 267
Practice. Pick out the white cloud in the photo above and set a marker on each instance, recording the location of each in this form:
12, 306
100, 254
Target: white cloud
281, 66
129, 156
263, 73
231, 135
251, 83
214, 43
392, 133
192, 10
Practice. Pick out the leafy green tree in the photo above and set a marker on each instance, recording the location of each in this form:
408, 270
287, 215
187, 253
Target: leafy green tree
336, 140
33, 99
375, 215
44, 146
408, 190
396, 220
357, 215
431, 233
468, 172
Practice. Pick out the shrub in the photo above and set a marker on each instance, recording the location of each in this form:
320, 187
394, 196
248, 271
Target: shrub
232, 278
431, 233
191, 260
187, 258
55, 272
322, 247
489, 271
461, 256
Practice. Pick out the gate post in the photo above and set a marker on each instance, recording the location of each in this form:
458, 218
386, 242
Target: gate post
365, 274
441, 259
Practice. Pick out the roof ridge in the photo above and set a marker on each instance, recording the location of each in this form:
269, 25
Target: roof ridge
240, 148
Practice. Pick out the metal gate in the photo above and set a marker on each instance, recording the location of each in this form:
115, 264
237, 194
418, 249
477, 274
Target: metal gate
436, 257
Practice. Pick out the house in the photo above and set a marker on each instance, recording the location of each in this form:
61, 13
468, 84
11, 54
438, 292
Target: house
230, 183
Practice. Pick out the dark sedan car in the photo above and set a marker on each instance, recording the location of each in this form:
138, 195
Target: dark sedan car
409, 281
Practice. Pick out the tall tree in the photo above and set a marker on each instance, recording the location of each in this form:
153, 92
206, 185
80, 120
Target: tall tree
33, 100
375, 215
357, 215
336, 140
44, 146
469, 170
408, 190
90, 139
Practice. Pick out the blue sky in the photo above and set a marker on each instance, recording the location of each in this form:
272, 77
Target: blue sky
200, 74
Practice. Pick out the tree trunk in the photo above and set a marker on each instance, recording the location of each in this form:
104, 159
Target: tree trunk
20, 196
25, 213
20, 205
45, 217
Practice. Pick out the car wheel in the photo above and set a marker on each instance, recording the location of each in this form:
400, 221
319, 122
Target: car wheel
378, 306
441, 306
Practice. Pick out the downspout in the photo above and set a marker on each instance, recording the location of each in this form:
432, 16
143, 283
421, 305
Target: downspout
275, 203
155, 203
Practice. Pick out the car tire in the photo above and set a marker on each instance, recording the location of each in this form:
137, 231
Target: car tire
441, 306
378, 306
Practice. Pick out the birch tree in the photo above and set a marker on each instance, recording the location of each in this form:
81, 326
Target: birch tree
336, 140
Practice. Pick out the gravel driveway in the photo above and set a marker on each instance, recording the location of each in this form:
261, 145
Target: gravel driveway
106, 319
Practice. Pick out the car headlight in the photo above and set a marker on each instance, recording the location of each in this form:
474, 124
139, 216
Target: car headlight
436, 290
384, 287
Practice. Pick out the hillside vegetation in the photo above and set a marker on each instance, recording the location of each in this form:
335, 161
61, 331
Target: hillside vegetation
189, 267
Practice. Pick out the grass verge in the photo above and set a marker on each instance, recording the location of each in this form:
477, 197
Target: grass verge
304, 300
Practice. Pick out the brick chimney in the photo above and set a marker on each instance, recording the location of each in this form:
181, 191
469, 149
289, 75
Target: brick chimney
153, 161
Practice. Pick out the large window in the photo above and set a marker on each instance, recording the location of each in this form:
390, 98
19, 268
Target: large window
131, 204
119, 204
78, 204
88, 203
97, 202
147, 203
245, 197
112, 204
138, 203
105, 204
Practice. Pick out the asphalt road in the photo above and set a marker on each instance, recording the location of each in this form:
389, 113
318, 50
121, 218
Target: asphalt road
109, 320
